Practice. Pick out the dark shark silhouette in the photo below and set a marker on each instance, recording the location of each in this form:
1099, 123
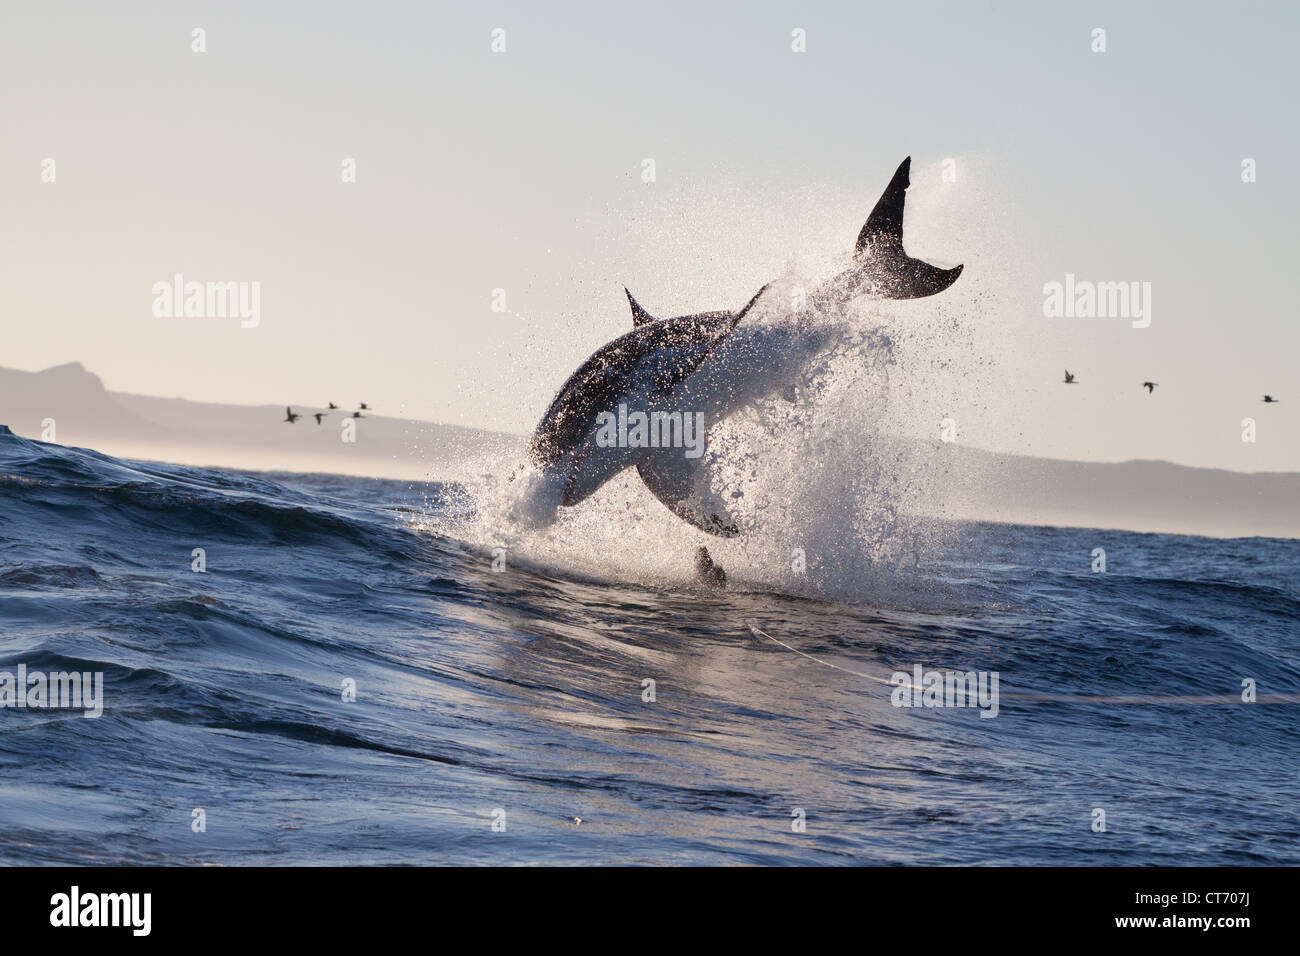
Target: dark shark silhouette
661, 357
598, 382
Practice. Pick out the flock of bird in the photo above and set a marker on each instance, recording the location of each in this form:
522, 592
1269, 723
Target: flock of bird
1151, 387
291, 416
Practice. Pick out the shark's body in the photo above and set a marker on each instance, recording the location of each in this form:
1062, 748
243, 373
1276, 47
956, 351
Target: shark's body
711, 364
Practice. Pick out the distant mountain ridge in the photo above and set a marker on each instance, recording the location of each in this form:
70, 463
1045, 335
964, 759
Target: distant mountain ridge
81, 411
1134, 495
68, 394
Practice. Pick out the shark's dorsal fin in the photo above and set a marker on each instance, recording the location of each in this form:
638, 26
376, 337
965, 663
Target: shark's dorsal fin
885, 224
639, 315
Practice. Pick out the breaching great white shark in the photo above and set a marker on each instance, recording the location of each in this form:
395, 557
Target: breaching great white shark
710, 364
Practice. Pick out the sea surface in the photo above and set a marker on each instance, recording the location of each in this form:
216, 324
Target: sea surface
495, 709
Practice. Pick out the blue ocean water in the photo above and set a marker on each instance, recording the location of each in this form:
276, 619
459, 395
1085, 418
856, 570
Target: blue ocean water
492, 710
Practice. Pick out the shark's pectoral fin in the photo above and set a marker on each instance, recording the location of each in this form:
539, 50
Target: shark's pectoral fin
892, 272
685, 486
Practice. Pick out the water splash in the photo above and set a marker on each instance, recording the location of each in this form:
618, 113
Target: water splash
841, 494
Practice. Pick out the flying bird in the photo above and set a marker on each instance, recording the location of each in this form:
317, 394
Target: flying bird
319, 416
332, 406
364, 406
1269, 399
357, 415
1069, 377
290, 415
1150, 386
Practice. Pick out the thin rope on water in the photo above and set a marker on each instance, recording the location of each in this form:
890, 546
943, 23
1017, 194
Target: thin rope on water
1059, 698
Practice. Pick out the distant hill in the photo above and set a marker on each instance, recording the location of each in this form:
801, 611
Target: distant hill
1134, 495
70, 395
237, 436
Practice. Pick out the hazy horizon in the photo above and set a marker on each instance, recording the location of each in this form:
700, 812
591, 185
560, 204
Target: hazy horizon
30, 430
522, 171
961, 483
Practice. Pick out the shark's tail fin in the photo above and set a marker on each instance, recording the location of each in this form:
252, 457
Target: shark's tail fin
892, 271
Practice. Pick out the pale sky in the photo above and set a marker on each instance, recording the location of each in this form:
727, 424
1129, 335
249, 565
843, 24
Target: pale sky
522, 171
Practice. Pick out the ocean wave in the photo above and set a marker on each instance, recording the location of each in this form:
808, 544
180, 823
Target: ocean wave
521, 687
